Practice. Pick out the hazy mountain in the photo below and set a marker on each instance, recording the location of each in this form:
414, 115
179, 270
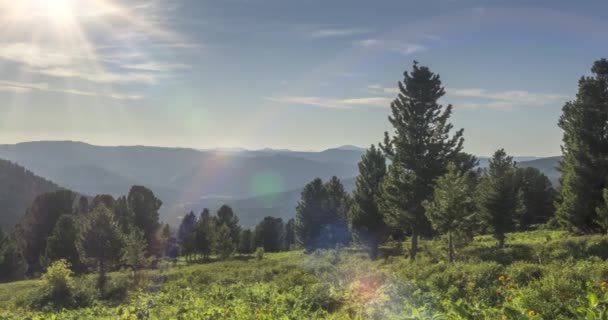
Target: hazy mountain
548, 166
258, 183
183, 178
18, 188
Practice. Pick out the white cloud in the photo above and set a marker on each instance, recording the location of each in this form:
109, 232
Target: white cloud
25, 87
336, 32
505, 99
378, 89
396, 46
157, 67
322, 102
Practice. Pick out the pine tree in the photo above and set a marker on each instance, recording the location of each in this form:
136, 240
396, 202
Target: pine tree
224, 245
538, 197
365, 218
12, 263
100, 242
584, 166
204, 234
321, 215
452, 209
61, 244
145, 206
269, 234
421, 146
124, 215
38, 222
186, 235
335, 208
246, 242
134, 251
310, 216
225, 215
290, 234
500, 200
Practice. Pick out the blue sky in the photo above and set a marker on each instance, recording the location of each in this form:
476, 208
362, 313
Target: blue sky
303, 75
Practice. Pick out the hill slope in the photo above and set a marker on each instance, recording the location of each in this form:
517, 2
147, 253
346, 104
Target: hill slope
18, 188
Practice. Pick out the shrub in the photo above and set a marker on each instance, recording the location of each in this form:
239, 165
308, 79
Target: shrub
259, 254
57, 283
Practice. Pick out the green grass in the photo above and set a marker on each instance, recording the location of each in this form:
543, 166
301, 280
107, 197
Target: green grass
540, 275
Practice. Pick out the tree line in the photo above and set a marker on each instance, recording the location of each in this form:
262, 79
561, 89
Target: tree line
91, 234
221, 235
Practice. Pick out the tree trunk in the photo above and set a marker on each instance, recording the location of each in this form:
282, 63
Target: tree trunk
450, 247
101, 281
414, 247
373, 250
501, 241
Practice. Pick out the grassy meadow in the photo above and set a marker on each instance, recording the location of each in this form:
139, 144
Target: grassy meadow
538, 275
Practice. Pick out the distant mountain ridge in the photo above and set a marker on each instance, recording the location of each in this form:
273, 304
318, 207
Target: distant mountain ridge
257, 182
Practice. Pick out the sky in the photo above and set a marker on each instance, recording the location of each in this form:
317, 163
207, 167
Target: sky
300, 75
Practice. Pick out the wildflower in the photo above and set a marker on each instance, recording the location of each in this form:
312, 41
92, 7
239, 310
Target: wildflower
504, 317
531, 313
603, 286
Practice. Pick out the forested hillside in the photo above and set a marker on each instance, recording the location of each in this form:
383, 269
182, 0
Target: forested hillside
18, 188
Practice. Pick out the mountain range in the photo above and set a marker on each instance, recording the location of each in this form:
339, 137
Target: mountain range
256, 183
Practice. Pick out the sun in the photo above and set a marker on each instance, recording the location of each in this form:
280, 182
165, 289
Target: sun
59, 10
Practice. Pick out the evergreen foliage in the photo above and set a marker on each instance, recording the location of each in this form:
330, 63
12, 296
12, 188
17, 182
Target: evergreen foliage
365, 217
500, 200
420, 148
452, 210
584, 166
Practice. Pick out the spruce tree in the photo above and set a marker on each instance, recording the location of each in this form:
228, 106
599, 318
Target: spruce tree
61, 244
290, 234
145, 206
100, 242
12, 263
451, 211
365, 217
310, 216
225, 215
269, 234
224, 245
245, 242
421, 146
500, 200
335, 208
584, 166
186, 235
204, 234
538, 197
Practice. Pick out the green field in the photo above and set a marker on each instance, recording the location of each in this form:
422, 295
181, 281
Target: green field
539, 275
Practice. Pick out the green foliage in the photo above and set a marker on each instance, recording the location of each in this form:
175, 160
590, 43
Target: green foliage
186, 235
452, 209
500, 200
204, 234
585, 163
245, 242
538, 197
134, 250
226, 216
269, 234
224, 245
420, 148
365, 218
321, 215
57, 283
145, 206
61, 244
38, 223
12, 264
259, 254
100, 243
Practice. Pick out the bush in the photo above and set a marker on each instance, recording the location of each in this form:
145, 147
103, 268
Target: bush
57, 283
259, 254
